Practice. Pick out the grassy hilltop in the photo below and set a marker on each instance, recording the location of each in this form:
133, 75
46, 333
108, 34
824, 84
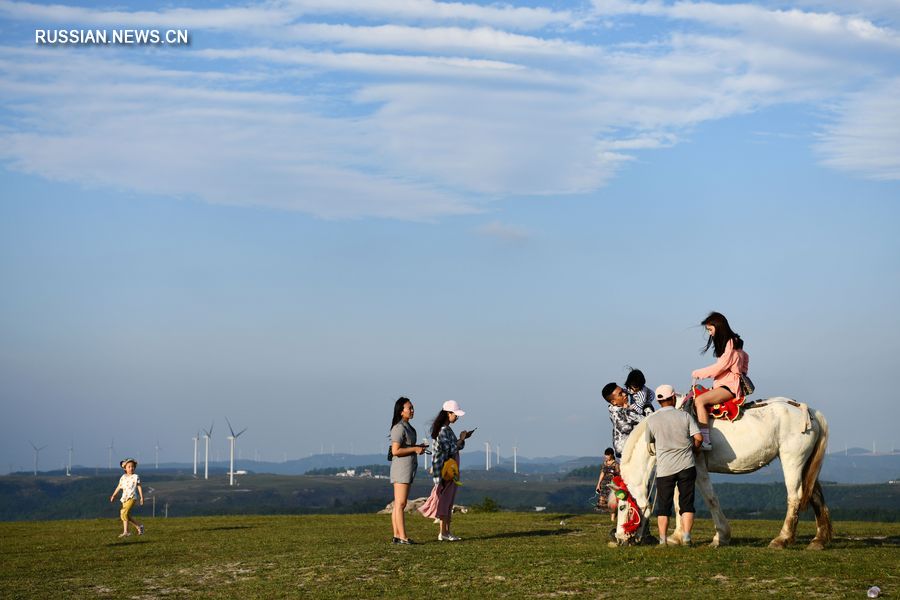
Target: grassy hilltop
510, 555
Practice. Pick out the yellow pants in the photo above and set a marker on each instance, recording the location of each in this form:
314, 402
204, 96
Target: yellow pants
125, 513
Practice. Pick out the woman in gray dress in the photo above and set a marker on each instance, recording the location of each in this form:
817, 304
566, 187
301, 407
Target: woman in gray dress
404, 463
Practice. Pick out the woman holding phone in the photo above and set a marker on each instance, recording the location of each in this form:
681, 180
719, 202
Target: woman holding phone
446, 447
404, 463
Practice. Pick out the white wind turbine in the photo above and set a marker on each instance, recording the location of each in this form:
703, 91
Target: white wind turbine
515, 459
69, 466
498, 455
157, 453
487, 456
206, 435
110, 448
232, 438
37, 451
196, 439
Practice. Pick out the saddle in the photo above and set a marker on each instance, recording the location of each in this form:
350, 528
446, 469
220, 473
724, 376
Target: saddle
731, 410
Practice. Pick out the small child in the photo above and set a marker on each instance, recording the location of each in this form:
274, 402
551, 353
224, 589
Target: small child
608, 470
639, 395
128, 483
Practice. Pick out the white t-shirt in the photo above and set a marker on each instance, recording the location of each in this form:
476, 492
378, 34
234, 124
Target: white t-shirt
129, 484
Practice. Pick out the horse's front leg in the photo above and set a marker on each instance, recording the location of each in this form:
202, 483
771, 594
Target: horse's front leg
793, 477
722, 537
677, 537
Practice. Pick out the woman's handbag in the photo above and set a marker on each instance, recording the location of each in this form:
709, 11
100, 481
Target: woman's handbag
450, 470
747, 386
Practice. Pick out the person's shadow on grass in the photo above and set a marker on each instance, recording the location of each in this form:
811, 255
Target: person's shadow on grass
521, 534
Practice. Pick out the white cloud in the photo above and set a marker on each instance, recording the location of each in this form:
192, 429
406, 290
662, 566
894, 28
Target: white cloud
764, 22
865, 136
221, 146
280, 12
371, 63
504, 15
261, 15
435, 112
439, 39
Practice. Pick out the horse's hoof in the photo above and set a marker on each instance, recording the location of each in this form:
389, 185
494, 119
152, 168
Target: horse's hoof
815, 545
776, 544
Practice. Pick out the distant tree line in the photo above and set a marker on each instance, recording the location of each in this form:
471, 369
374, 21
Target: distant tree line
40, 498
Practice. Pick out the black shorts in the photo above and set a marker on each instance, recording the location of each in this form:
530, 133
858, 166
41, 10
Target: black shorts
665, 492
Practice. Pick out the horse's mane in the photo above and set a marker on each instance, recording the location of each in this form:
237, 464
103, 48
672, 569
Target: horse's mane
632, 448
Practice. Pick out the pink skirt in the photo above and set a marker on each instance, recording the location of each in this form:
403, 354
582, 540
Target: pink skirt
440, 503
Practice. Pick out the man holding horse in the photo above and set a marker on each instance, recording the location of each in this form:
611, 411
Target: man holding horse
676, 436
622, 414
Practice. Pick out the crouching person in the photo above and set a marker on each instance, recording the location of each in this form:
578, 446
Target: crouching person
676, 436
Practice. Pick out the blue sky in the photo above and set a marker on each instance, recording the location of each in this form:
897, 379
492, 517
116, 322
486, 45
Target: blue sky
320, 205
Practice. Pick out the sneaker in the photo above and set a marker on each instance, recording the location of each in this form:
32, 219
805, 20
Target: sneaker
706, 446
406, 542
140, 530
448, 538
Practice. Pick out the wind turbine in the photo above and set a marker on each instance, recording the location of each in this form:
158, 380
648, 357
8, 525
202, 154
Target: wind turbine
71, 450
206, 435
487, 456
157, 453
498, 455
515, 459
110, 448
232, 438
36, 452
428, 456
196, 439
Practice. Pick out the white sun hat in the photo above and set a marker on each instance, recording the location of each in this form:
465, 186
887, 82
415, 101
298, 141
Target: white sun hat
453, 406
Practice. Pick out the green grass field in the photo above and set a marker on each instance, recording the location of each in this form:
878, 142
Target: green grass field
503, 555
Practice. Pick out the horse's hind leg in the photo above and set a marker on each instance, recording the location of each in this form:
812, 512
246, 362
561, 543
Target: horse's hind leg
792, 481
823, 519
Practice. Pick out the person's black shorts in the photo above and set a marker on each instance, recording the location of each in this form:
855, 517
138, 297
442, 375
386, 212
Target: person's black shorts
665, 492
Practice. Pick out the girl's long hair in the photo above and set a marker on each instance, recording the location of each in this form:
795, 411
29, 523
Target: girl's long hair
723, 334
442, 418
398, 409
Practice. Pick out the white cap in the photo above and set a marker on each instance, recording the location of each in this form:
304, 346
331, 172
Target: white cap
665, 392
453, 406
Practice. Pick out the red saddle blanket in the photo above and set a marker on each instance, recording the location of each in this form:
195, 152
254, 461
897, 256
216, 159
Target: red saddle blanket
730, 410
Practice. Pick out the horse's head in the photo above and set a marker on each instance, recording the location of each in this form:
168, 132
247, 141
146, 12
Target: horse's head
633, 510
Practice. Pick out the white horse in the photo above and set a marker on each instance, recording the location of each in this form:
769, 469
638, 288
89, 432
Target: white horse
777, 427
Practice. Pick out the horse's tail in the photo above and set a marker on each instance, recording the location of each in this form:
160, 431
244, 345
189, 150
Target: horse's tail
814, 462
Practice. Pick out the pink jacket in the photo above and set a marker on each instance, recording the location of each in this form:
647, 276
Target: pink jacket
726, 371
